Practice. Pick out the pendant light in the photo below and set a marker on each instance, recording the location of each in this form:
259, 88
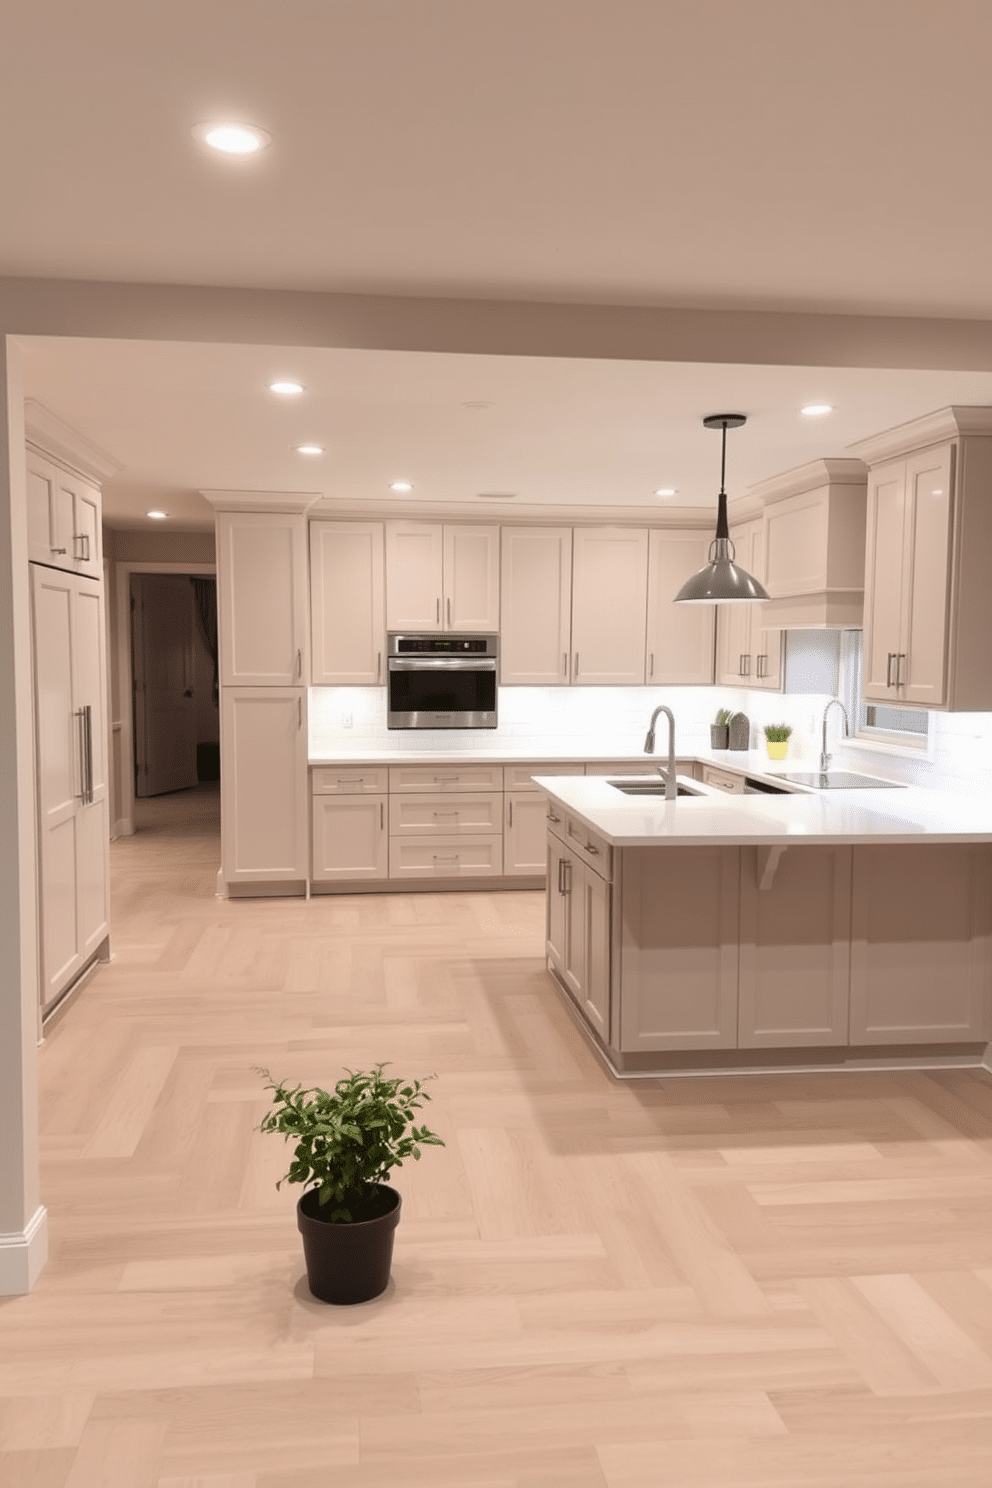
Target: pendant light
721, 581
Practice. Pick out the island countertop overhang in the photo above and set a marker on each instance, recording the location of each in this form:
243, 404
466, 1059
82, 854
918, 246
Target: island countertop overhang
713, 819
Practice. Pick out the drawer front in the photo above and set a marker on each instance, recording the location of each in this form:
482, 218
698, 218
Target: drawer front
445, 857
444, 778
451, 813
518, 777
590, 847
329, 780
723, 780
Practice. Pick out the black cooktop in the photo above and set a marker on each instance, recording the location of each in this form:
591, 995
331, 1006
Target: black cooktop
841, 780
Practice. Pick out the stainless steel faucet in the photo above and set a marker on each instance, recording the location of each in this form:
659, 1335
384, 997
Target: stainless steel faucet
825, 758
671, 790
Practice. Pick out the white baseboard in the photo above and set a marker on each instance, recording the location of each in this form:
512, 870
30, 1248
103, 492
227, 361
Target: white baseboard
23, 1254
124, 826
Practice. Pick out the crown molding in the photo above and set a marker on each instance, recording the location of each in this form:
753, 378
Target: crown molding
258, 501
810, 477
53, 436
934, 428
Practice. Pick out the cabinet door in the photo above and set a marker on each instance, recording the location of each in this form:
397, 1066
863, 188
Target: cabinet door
594, 992
609, 604
525, 831
350, 839
471, 578
765, 646
573, 961
262, 606
263, 781
347, 577
920, 931
44, 546
64, 521
680, 636
557, 857
884, 578
414, 576
678, 950
89, 685
734, 661
87, 527
535, 604
922, 668
794, 947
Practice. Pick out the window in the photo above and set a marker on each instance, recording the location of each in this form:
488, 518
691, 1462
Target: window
901, 728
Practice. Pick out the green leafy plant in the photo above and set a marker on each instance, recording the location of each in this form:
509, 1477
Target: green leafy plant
349, 1139
777, 733
723, 717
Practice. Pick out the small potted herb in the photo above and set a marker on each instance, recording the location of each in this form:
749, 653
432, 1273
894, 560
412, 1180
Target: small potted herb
777, 740
348, 1140
720, 731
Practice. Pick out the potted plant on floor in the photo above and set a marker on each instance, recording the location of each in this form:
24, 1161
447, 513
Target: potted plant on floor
348, 1140
777, 739
720, 731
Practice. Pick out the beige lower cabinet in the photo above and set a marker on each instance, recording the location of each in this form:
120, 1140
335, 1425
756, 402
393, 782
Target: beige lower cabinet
445, 822
579, 920
350, 838
725, 780
678, 949
920, 944
525, 816
793, 974
263, 784
445, 857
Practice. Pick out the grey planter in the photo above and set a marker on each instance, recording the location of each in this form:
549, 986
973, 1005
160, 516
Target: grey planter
719, 735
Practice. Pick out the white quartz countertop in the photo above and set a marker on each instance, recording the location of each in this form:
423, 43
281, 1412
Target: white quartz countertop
825, 817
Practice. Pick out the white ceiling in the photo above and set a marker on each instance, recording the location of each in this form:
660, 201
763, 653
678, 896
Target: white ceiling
770, 155
561, 435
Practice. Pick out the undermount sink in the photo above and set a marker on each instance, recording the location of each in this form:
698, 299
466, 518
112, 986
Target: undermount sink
650, 788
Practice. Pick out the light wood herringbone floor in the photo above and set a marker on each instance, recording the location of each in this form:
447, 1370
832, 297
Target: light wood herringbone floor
736, 1283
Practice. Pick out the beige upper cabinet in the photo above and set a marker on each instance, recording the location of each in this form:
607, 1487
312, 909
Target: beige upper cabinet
347, 604
64, 517
679, 636
928, 604
535, 604
441, 577
262, 598
609, 604
747, 654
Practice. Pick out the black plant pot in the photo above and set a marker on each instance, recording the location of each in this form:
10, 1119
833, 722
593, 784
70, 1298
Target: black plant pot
347, 1263
719, 735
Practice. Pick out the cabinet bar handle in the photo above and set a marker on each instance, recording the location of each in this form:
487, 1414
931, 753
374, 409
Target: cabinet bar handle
564, 664
510, 823
88, 726
552, 817
57, 550
80, 714
568, 876
590, 848
299, 713
561, 884
437, 613
651, 665
576, 671
888, 669
449, 611
378, 665
740, 664
445, 857
900, 658
382, 815
446, 779
299, 664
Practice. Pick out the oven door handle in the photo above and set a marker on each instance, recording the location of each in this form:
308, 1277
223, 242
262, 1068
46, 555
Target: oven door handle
442, 663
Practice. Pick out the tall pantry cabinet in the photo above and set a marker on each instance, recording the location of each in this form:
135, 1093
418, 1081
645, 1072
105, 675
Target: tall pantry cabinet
68, 636
262, 611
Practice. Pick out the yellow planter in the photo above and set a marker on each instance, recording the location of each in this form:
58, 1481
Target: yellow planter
777, 748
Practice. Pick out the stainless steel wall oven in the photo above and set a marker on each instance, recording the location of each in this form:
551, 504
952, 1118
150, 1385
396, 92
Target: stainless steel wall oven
441, 681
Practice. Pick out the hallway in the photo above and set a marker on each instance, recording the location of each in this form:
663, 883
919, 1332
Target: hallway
727, 1284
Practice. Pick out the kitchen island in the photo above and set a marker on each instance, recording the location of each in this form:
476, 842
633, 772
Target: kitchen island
719, 932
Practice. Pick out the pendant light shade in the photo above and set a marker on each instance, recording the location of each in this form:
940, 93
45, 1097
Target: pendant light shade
722, 581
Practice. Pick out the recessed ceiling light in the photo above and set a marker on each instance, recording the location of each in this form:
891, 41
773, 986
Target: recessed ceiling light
309, 449
233, 139
497, 495
816, 410
401, 486
285, 388
157, 516
666, 491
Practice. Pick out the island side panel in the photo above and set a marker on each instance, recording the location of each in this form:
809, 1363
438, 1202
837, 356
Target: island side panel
795, 947
920, 944
678, 948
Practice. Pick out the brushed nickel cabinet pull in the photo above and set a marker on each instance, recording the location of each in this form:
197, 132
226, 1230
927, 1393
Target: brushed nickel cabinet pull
510, 822
651, 665
378, 665
590, 848
576, 671
552, 817
888, 669
382, 815
299, 713
900, 658
437, 612
449, 611
57, 550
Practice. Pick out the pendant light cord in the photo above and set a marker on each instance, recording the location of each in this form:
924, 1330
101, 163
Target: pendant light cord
722, 525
